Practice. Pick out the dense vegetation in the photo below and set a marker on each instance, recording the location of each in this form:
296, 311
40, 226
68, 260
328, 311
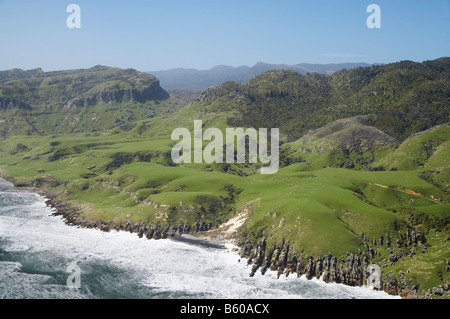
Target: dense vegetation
401, 98
198, 80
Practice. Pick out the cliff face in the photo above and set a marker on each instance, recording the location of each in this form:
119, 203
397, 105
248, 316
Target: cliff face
72, 218
153, 91
99, 98
78, 88
350, 269
7, 103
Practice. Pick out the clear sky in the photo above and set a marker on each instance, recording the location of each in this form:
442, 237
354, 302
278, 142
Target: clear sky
162, 34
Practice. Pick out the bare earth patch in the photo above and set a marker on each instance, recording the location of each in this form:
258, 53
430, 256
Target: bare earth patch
227, 232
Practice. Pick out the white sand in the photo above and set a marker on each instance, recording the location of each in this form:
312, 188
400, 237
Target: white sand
227, 232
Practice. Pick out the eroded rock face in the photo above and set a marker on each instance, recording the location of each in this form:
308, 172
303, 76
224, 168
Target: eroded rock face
79, 88
391, 285
151, 92
350, 269
13, 103
71, 217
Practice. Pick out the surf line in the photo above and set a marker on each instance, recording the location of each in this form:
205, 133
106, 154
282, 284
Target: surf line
214, 151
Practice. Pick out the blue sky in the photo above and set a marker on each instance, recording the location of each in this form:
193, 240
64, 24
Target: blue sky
162, 34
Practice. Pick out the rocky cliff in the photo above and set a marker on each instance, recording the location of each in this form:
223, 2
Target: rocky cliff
78, 88
7, 103
152, 91
350, 269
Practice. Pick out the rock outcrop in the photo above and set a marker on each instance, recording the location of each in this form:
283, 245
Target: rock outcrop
72, 217
352, 269
7, 103
151, 92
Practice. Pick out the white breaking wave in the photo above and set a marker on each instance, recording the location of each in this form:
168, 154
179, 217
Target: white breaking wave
161, 268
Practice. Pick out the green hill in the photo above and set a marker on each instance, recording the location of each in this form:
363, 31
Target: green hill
79, 100
343, 143
16, 74
400, 99
423, 150
352, 189
427, 152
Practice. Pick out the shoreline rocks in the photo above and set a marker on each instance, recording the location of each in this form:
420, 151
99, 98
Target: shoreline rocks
350, 269
71, 217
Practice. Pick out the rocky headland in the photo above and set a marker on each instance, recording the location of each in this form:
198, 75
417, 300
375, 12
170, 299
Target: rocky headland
350, 269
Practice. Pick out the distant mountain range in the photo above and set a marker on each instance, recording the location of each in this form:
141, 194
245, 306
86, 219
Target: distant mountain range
198, 80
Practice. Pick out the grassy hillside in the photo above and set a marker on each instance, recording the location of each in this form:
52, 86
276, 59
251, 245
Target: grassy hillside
343, 143
96, 99
427, 152
423, 150
346, 188
128, 176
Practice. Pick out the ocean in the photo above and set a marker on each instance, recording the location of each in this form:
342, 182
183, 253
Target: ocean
42, 257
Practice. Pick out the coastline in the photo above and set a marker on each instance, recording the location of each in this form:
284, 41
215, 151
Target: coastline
327, 269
